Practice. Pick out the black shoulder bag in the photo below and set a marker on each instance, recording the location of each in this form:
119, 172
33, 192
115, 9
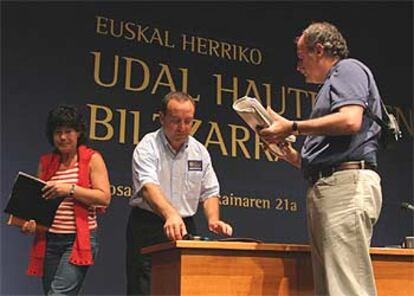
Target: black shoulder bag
390, 129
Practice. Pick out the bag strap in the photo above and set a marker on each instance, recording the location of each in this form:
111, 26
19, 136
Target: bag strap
374, 117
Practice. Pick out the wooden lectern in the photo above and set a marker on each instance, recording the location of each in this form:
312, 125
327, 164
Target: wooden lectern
243, 268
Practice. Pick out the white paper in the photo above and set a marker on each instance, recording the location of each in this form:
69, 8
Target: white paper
256, 116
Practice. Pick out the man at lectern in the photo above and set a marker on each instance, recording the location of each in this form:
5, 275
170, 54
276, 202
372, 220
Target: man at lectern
172, 174
338, 159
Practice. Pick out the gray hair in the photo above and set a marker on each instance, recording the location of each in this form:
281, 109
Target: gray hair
175, 95
328, 36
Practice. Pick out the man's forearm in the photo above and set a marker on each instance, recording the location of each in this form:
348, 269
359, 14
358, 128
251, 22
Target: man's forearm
346, 121
158, 202
212, 208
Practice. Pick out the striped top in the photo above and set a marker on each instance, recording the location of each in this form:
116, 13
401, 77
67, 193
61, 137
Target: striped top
64, 221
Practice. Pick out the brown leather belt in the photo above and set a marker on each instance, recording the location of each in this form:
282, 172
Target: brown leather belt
315, 174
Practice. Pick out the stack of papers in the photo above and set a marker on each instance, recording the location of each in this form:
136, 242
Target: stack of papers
256, 116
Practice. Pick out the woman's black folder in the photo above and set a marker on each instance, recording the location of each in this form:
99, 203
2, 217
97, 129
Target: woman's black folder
26, 200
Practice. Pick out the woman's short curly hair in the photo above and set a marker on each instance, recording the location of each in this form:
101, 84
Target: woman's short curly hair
66, 116
327, 35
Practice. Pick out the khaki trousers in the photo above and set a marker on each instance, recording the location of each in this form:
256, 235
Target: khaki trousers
341, 211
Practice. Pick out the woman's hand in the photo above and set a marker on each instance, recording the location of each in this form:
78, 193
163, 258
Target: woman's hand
29, 227
53, 189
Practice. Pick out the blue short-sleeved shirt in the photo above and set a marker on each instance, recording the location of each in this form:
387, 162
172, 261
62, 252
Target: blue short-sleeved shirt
349, 82
185, 178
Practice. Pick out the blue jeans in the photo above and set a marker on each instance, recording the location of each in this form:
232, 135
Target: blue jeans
60, 276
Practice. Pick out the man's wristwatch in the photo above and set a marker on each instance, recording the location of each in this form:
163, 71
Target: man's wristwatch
295, 129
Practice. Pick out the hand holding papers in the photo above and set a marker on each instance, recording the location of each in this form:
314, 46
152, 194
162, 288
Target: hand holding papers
256, 116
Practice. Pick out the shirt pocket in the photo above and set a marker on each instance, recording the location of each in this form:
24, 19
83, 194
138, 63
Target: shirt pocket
193, 184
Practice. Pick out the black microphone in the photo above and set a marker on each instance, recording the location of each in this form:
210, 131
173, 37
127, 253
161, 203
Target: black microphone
407, 206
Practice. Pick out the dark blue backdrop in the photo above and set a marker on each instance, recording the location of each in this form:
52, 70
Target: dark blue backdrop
51, 53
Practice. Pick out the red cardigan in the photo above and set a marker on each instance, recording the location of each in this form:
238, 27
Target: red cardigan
81, 251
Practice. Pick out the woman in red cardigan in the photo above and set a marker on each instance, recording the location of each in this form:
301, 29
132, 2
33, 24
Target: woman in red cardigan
63, 254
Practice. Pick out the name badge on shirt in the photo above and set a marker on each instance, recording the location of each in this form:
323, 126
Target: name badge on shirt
195, 165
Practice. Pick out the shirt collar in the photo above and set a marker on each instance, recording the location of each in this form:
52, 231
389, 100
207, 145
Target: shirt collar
168, 146
333, 68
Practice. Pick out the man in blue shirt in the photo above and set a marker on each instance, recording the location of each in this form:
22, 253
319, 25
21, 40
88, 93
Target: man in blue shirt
339, 160
172, 173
